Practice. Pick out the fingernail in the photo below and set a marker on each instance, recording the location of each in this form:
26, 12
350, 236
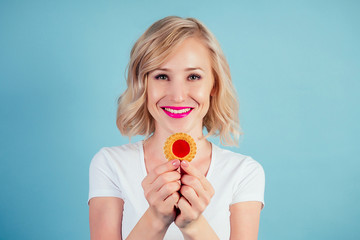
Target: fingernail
175, 163
184, 163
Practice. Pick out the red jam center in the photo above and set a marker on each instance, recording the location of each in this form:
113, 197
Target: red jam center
180, 148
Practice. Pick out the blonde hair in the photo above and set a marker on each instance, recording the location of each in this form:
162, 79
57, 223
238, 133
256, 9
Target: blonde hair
150, 52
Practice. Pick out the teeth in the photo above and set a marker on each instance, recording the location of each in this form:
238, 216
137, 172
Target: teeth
177, 111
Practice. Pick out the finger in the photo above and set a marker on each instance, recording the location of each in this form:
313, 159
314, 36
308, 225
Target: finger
184, 205
158, 197
191, 170
195, 201
186, 211
172, 200
165, 167
194, 183
190, 194
166, 190
167, 177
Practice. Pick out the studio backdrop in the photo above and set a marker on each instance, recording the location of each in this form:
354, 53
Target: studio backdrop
295, 66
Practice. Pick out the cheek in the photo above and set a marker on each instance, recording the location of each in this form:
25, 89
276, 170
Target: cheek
151, 93
154, 94
203, 95
151, 101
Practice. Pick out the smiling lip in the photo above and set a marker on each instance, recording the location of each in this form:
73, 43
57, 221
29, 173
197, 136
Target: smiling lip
177, 112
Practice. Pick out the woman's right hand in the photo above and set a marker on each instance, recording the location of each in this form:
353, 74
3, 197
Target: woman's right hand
161, 188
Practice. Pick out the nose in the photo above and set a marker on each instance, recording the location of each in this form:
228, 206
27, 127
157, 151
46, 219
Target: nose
178, 91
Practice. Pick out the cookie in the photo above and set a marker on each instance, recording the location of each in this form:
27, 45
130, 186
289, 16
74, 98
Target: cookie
180, 146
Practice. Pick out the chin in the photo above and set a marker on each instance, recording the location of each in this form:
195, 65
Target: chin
189, 129
175, 128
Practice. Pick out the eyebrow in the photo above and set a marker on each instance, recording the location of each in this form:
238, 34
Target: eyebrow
195, 68
186, 69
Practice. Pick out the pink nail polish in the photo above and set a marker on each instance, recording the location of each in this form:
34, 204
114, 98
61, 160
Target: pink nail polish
184, 163
175, 163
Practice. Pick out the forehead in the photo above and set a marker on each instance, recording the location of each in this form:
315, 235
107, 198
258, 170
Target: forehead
190, 53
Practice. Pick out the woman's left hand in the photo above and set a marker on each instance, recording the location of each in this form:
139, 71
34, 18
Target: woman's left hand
196, 193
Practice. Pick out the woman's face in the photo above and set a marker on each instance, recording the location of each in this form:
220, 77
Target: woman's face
178, 92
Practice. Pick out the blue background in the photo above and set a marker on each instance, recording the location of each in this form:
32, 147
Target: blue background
295, 65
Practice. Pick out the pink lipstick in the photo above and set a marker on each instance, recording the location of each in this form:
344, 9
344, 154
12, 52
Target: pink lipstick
177, 112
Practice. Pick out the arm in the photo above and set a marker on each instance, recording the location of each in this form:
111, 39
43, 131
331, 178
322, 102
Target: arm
247, 204
196, 195
160, 188
105, 215
244, 220
105, 218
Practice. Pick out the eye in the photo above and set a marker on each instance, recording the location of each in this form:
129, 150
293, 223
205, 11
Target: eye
193, 77
161, 77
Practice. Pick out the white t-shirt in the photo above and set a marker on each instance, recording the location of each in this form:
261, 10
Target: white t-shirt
119, 171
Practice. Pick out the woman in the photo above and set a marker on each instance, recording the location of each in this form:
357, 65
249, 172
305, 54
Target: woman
178, 81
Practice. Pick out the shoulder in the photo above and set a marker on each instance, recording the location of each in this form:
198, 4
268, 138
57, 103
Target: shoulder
111, 155
126, 149
235, 161
244, 175
110, 167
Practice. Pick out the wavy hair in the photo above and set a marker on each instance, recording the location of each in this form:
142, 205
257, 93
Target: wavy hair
149, 52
